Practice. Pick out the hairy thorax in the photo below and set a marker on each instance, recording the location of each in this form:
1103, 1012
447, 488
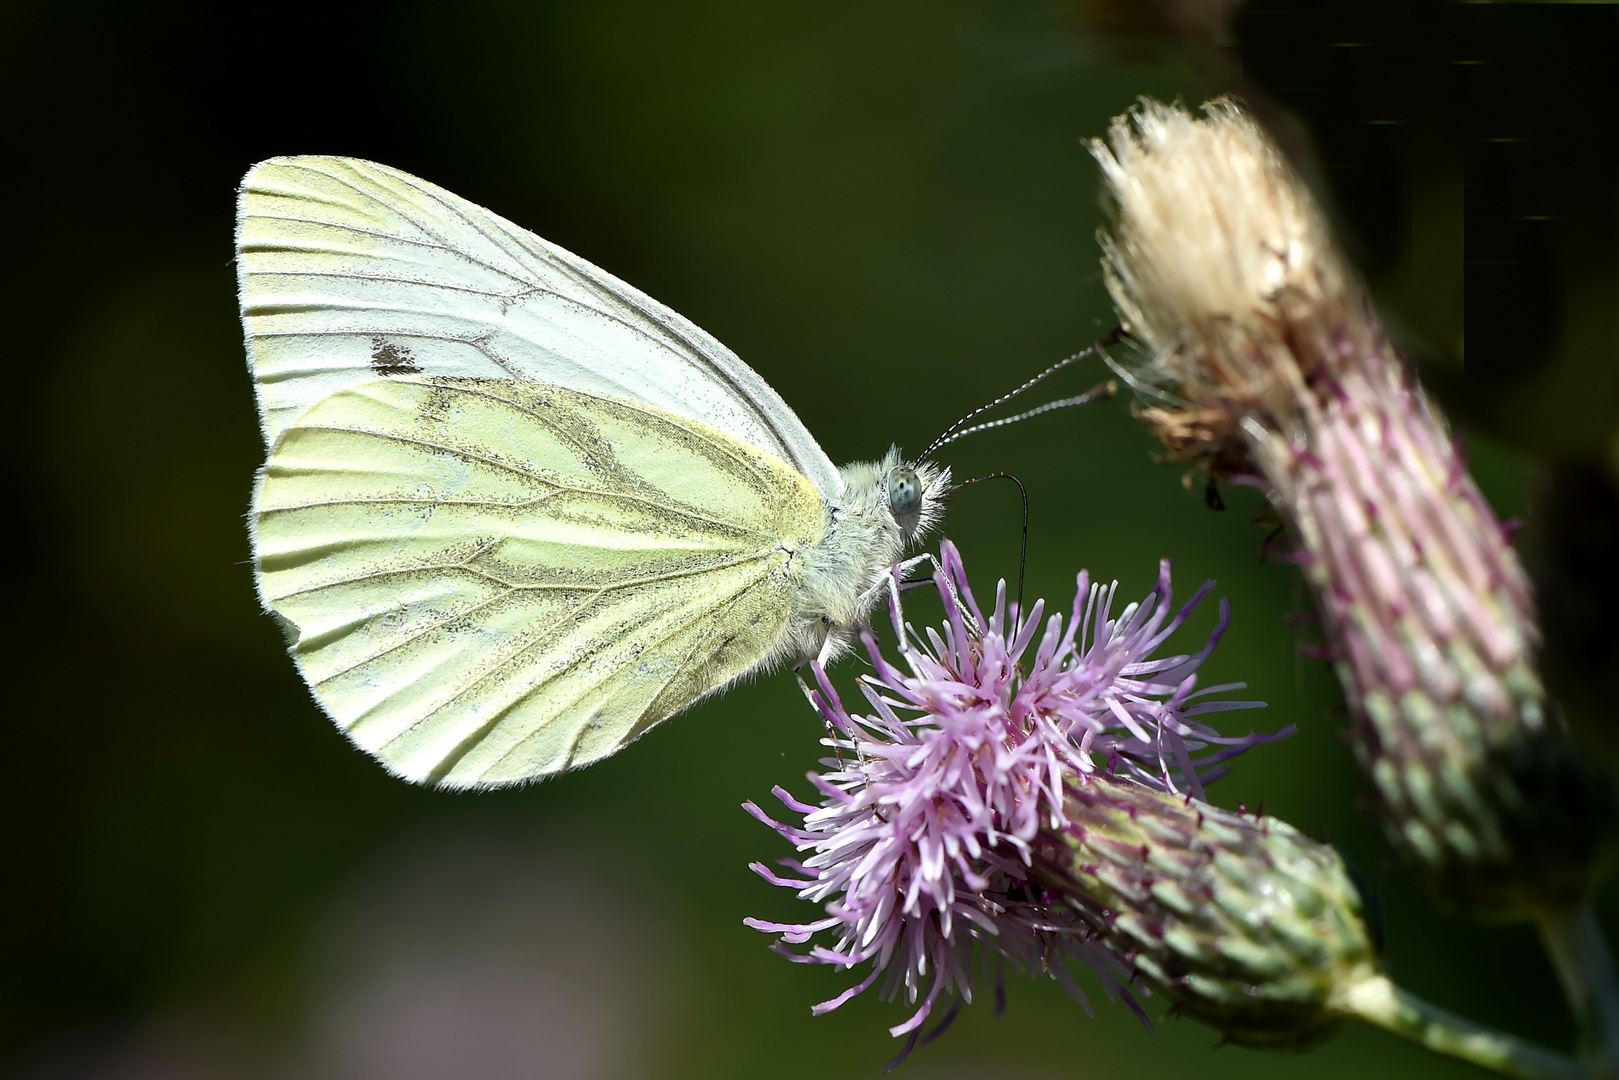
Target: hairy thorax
843, 576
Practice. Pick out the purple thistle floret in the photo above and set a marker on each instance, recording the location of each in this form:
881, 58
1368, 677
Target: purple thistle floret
921, 843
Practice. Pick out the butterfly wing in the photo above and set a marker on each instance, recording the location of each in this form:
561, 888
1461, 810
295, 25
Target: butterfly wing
351, 270
486, 581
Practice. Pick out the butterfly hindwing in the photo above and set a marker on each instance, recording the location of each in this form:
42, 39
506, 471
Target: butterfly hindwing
486, 581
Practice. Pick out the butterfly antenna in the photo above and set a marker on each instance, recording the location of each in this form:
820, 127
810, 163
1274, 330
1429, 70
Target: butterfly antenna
954, 432
1107, 389
1023, 544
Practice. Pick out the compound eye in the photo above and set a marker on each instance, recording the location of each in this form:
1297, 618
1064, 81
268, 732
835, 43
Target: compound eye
904, 490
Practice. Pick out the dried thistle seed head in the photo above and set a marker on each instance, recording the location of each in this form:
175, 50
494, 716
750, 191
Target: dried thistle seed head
1272, 363
1218, 257
1241, 921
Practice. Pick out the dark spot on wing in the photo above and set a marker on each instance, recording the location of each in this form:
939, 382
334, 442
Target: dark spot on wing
390, 359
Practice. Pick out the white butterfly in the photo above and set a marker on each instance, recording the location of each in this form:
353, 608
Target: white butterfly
516, 512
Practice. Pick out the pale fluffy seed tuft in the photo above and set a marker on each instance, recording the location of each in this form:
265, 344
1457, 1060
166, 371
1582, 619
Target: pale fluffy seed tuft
1218, 253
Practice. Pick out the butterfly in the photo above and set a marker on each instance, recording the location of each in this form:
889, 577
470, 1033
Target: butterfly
514, 511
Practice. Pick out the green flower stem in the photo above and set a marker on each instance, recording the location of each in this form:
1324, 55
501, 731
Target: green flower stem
1378, 1001
1584, 966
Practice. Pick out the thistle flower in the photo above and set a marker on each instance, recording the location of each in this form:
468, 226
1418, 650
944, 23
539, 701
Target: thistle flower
933, 809
1267, 365
1036, 802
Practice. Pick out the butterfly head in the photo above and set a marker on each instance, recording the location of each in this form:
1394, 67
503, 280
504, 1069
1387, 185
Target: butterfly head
904, 489
914, 492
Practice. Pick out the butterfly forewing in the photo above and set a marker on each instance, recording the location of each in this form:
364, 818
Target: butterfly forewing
486, 581
350, 271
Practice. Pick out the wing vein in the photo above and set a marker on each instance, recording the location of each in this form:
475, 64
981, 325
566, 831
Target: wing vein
730, 453
544, 637
465, 746
392, 209
392, 280
487, 504
406, 440
515, 586
286, 245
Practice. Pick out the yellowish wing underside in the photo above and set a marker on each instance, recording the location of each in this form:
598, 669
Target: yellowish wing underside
488, 581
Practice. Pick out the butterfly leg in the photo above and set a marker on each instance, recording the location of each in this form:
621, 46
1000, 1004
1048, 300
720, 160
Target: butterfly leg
955, 597
863, 605
834, 738
895, 585
894, 581
828, 649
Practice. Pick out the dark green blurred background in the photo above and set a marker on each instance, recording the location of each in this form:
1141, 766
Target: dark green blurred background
888, 211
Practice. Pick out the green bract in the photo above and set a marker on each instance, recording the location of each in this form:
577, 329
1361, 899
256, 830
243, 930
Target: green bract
1241, 921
